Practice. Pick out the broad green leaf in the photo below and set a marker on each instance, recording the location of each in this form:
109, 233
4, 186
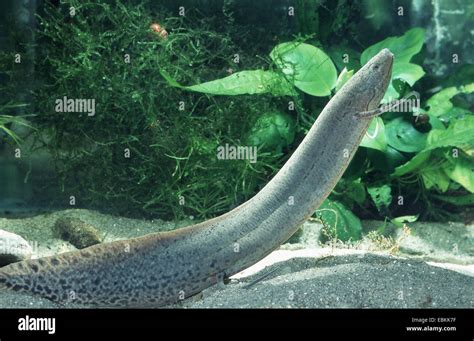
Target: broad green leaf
461, 170
445, 165
453, 113
350, 191
272, 131
344, 57
429, 165
462, 200
440, 103
402, 136
342, 223
460, 133
356, 191
454, 186
375, 137
400, 221
343, 78
403, 47
390, 94
436, 123
309, 68
407, 72
393, 158
414, 164
240, 83
436, 178
386, 161
381, 196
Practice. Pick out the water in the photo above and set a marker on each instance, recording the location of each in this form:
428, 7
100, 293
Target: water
106, 116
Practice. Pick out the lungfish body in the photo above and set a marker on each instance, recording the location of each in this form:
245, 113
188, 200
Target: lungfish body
162, 268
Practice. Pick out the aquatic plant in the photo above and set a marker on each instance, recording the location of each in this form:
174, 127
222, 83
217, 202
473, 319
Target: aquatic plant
394, 144
151, 148
7, 120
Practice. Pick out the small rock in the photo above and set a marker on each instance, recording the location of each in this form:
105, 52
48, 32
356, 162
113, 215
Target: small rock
76, 232
13, 248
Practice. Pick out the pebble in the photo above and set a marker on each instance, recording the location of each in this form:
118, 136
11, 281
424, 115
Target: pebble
76, 232
13, 248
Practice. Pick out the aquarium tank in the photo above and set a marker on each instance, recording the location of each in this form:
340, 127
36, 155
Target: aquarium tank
305, 153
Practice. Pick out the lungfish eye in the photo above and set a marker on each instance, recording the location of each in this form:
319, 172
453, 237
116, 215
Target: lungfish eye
376, 66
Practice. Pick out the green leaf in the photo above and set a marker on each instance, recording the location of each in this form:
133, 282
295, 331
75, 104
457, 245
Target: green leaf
453, 113
402, 136
356, 191
390, 94
403, 47
12, 134
240, 83
309, 68
343, 78
394, 158
461, 170
272, 131
171, 81
462, 200
437, 164
400, 221
344, 57
375, 137
381, 196
428, 164
407, 72
435, 122
342, 223
435, 177
386, 161
350, 191
19, 120
414, 164
440, 103
460, 133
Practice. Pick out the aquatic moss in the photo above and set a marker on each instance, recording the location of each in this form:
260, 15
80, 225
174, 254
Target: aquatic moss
150, 149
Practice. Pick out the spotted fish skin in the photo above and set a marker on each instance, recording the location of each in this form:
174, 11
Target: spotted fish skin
163, 268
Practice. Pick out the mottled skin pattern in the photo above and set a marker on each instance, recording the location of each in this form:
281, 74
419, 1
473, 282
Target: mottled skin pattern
163, 268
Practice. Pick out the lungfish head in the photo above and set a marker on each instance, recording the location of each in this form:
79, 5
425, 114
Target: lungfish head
375, 77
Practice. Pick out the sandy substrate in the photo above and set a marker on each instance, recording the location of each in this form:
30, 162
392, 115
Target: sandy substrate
434, 267
344, 280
